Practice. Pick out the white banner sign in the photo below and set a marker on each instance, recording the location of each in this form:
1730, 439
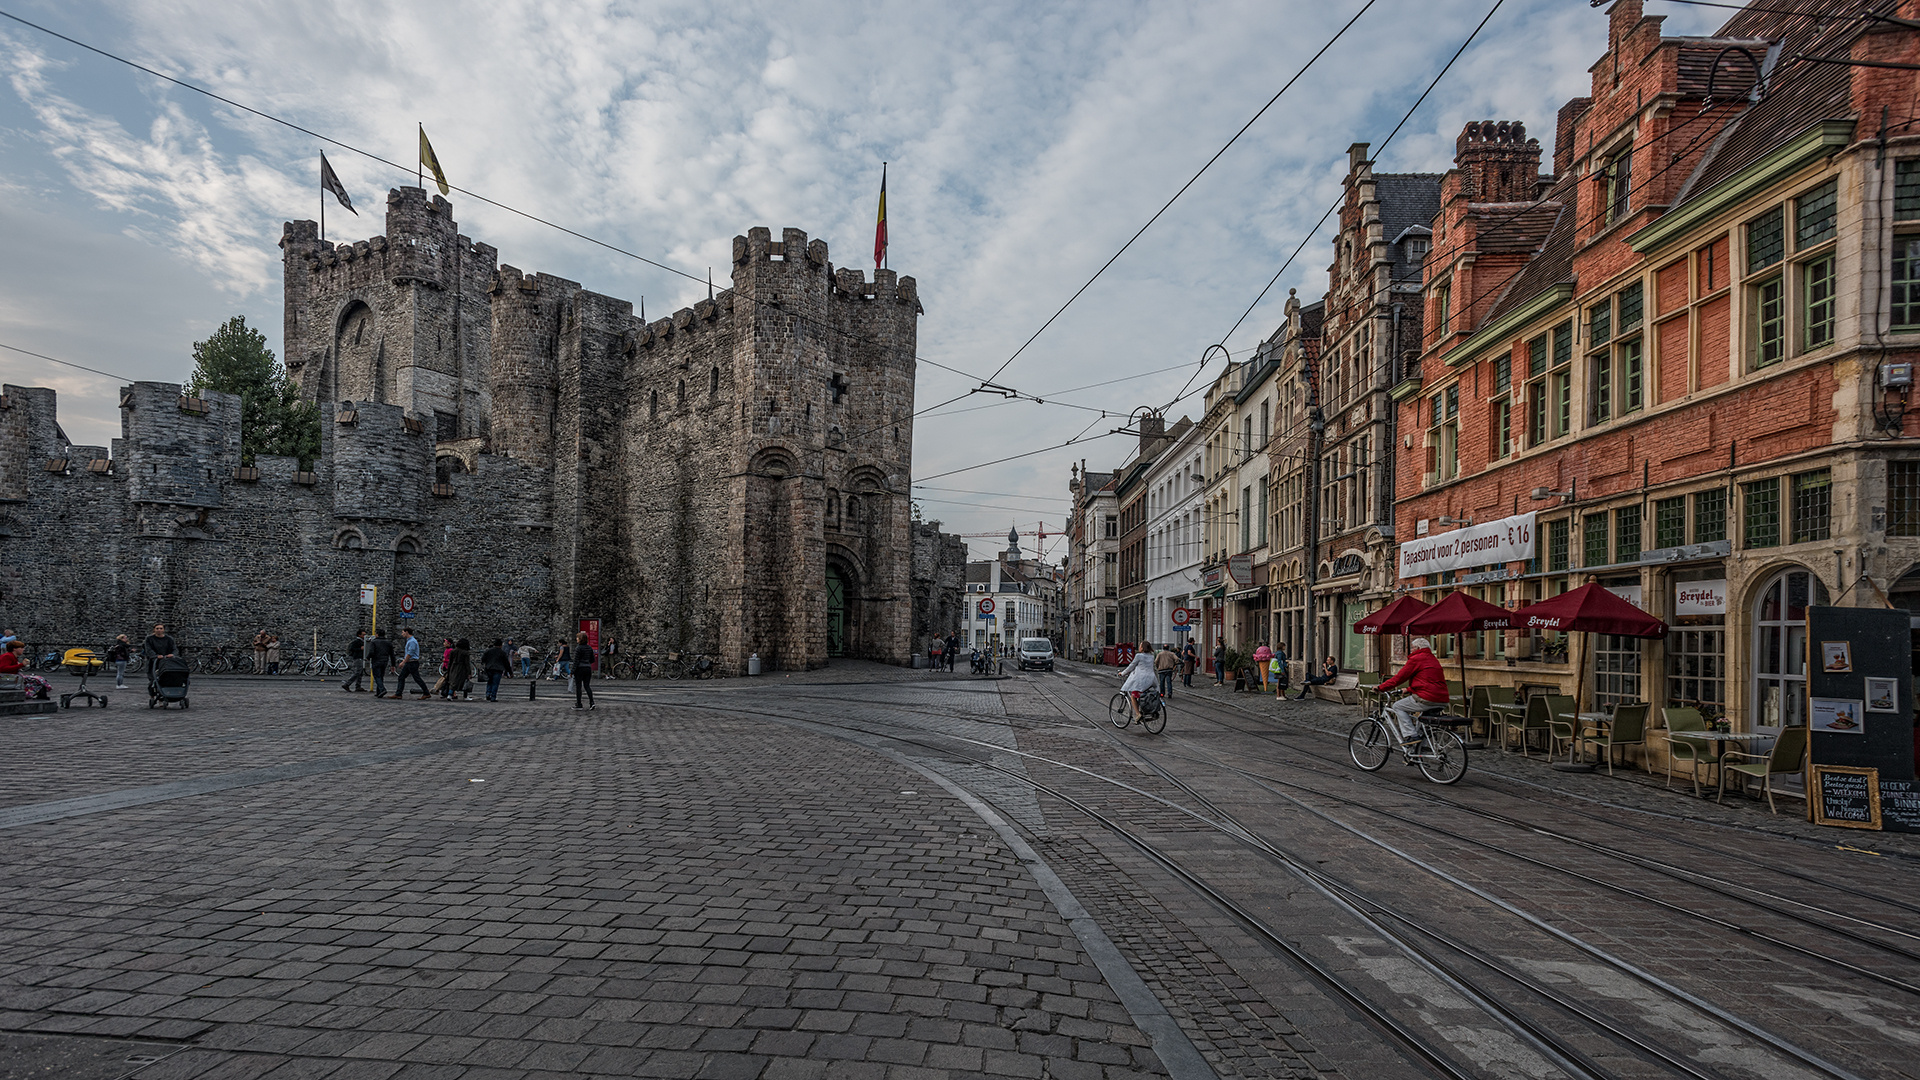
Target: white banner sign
1503, 541
1700, 598
1629, 593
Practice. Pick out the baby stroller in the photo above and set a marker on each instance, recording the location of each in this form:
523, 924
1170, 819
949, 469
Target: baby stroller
167, 679
82, 662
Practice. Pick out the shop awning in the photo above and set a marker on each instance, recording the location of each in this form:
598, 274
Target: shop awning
1209, 594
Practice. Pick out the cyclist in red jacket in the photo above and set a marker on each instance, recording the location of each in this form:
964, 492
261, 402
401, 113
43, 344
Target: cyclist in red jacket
1423, 676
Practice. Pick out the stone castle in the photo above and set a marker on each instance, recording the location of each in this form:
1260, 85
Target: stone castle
516, 453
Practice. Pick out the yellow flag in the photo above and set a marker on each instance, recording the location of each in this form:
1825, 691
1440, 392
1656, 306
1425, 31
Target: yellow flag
432, 163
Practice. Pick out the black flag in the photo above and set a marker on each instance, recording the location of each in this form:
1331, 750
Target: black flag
332, 183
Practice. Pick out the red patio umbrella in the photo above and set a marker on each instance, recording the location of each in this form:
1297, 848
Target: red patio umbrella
1594, 609
1461, 613
1393, 618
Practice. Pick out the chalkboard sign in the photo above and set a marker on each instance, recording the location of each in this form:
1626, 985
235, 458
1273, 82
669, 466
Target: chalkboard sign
1899, 806
1844, 795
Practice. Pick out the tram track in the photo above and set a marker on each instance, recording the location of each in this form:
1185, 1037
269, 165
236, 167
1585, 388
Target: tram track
1370, 912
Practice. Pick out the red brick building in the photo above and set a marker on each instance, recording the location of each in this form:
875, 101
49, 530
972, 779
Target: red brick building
1681, 352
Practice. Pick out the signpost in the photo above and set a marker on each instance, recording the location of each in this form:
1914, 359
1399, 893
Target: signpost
986, 606
406, 605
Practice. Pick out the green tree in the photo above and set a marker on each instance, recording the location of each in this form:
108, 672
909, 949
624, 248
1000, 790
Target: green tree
274, 419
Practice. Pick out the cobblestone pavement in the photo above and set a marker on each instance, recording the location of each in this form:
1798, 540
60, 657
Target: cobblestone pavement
860, 872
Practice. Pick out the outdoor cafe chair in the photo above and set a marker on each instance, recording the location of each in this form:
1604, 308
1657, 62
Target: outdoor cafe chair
1789, 750
1696, 752
1540, 711
1629, 729
1480, 706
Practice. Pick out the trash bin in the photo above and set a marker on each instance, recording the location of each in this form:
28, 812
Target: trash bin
753, 664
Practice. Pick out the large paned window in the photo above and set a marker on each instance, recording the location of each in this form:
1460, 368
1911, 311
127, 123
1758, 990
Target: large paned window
1594, 551
1558, 533
1537, 391
1906, 283
1618, 179
1443, 437
1766, 298
1816, 297
1616, 363
1626, 534
1903, 498
1443, 308
1697, 653
1780, 649
1760, 515
1616, 670
1709, 515
1670, 522
1501, 409
1812, 508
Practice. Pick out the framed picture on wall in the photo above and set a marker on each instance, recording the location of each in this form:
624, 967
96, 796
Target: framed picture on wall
1883, 695
1836, 656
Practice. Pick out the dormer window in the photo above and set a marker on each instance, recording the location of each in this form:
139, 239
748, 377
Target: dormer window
1417, 247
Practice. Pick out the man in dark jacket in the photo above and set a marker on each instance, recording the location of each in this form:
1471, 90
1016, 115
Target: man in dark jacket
380, 657
953, 646
1219, 663
582, 670
1423, 675
357, 662
494, 662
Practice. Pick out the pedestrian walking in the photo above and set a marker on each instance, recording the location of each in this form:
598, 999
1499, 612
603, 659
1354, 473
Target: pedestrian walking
526, 661
273, 654
118, 654
409, 667
357, 662
260, 653
1282, 670
953, 646
1190, 659
495, 662
460, 671
1219, 663
380, 657
582, 670
1164, 663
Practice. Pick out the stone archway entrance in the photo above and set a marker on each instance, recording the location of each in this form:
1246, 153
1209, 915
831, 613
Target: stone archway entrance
839, 614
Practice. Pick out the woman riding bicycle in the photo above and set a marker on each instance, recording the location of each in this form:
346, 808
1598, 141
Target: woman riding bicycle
1428, 682
1139, 676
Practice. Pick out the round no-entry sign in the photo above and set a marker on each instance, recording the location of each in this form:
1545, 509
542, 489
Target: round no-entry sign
986, 606
1181, 616
406, 603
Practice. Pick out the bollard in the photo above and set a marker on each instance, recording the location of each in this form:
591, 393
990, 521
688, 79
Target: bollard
533, 684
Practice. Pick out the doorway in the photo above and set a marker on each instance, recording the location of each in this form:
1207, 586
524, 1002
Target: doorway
1780, 649
836, 612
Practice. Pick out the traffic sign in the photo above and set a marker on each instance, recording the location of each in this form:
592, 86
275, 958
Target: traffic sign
406, 603
367, 595
1181, 617
986, 605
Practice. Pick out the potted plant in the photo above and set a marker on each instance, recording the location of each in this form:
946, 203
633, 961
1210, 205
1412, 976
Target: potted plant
1237, 663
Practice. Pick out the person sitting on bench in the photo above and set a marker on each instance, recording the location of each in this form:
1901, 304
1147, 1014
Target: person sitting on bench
1329, 671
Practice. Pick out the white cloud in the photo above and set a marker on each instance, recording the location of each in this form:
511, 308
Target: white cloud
1027, 143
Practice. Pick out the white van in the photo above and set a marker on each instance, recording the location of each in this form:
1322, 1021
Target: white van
1036, 652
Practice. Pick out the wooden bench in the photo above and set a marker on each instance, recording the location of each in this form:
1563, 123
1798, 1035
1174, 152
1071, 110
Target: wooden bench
1345, 689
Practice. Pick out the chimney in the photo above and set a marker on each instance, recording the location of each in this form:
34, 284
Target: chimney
1153, 427
1497, 162
1622, 17
1563, 148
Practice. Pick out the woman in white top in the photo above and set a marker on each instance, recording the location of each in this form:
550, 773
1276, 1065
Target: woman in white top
1138, 676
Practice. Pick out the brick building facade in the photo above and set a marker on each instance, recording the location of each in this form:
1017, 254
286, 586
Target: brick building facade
1683, 359
515, 451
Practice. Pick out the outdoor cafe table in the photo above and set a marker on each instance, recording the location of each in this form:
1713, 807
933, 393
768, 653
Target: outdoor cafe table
1598, 720
1720, 737
1504, 711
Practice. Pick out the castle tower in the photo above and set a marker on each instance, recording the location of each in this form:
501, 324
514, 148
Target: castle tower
397, 319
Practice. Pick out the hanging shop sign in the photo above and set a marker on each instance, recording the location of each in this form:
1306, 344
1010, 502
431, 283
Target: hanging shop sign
1509, 539
1240, 568
1700, 597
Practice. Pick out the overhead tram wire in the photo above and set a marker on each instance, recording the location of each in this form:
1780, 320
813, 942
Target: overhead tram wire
1497, 225
66, 363
476, 196
1311, 233
1183, 190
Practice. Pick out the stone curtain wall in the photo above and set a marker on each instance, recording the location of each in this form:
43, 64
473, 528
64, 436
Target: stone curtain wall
515, 451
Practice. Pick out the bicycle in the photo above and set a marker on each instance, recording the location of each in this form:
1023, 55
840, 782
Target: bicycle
1120, 714
325, 664
620, 669
1439, 752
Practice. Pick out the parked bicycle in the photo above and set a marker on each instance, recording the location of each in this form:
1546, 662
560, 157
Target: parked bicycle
1436, 749
325, 664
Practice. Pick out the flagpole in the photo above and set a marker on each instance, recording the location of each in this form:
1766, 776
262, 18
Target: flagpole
420, 165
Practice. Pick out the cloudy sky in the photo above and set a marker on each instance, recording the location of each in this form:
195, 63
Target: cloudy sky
1026, 144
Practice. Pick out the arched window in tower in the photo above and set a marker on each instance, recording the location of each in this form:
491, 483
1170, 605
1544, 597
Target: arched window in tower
713, 384
653, 405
